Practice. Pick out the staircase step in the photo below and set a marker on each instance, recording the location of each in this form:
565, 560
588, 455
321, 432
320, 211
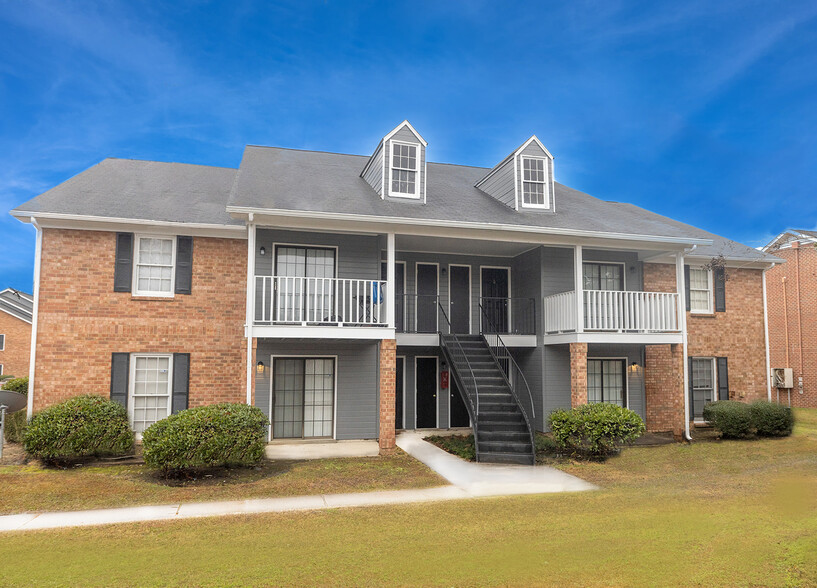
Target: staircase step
499, 426
518, 435
507, 406
504, 446
505, 417
498, 457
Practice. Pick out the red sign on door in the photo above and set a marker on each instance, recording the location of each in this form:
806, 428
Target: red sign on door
444, 380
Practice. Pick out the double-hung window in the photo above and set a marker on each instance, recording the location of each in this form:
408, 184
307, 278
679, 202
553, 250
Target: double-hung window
150, 390
700, 290
703, 384
154, 262
405, 168
606, 381
534, 183
2, 342
603, 276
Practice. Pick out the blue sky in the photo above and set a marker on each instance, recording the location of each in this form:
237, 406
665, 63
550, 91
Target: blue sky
704, 111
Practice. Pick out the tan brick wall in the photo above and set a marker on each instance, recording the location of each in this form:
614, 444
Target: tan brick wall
737, 334
82, 320
664, 388
578, 374
388, 392
15, 355
800, 315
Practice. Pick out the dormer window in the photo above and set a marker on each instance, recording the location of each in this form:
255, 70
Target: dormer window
534, 184
404, 170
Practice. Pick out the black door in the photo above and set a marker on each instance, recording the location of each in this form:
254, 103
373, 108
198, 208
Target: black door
398, 396
399, 293
495, 299
460, 299
426, 298
459, 414
426, 392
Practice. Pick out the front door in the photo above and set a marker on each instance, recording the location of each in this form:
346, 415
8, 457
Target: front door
426, 379
399, 293
459, 294
458, 413
426, 298
495, 291
398, 393
303, 397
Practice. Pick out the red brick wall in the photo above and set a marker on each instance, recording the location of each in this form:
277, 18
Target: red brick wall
15, 355
802, 318
737, 334
388, 392
578, 374
664, 388
82, 320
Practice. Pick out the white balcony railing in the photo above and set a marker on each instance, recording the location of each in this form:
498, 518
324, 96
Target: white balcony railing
281, 300
635, 312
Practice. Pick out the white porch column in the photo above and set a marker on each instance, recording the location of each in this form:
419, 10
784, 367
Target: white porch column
682, 324
577, 274
250, 317
390, 281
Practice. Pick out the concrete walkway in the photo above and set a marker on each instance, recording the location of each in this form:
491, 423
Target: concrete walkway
469, 480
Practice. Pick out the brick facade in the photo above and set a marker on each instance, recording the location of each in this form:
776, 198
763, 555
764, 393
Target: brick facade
578, 374
664, 388
793, 321
82, 320
388, 395
17, 348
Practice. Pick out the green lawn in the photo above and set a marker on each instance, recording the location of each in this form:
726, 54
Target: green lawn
736, 513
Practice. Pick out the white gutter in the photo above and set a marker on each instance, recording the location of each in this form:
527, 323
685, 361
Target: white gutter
442, 223
27, 216
38, 254
766, 334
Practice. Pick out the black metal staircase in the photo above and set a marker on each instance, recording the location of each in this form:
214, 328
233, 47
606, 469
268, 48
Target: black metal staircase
488, 378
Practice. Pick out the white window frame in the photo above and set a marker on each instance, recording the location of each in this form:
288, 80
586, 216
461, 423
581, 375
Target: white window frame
132, 383
2, 344
416, 170
713, 366
1, 370
710, 291
623, 272
544, 182
135, 284
626, 375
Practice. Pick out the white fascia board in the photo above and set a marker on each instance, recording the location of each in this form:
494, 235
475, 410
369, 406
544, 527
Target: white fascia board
54, 220
411, 128
528, 142
8, 312
455, 224
733, 262
14, 305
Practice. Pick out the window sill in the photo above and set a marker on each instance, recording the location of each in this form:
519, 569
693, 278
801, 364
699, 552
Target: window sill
143, 298
709, 315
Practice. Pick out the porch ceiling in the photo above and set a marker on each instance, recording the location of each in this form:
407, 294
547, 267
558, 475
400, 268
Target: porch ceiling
426, 244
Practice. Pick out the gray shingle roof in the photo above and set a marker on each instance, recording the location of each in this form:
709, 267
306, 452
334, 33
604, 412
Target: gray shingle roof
144, 190
17, 304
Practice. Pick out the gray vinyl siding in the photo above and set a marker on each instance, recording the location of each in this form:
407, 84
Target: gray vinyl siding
527, 269
557, 271
405, 135
533, 150
356, 373
500, 184
374, 175
635, 379
633, 269
531, 362
556, 380
410, 390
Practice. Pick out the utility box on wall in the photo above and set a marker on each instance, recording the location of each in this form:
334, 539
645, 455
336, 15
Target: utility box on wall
782, 378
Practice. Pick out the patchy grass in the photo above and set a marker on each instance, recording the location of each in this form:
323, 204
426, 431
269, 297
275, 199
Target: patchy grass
460, 445
730, 513
32, 488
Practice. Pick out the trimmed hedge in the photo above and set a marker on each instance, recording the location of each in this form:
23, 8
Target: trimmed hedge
16, 421
731, 418
218, 435
770, 419
83, 426
595, 429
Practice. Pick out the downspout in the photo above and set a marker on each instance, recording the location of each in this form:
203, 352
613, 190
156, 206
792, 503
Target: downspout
786, 318
766, 334
38, 255
679, 277
250, 302
796, 246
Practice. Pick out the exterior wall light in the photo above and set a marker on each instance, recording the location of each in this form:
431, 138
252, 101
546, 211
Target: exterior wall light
260, 367
263, 251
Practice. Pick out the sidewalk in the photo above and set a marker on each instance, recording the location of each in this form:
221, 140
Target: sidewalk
470, 480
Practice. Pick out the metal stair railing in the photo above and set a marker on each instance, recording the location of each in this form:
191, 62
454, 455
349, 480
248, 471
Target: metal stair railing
473, 403
500, 351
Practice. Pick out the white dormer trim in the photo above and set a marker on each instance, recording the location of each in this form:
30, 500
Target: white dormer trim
416, 194
549, 181
546, 182
528, 142
411, 128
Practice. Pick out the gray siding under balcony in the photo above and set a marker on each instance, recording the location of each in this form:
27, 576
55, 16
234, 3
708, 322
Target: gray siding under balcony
356, 372
410, 388
635, 380
556, 380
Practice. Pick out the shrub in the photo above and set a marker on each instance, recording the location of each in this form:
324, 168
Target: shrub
770, 419
595, 429
732, 419
218, 435
16, 421
83, 426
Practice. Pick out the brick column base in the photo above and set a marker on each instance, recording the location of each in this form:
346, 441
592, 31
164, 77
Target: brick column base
664, 388
578, 374
388, 392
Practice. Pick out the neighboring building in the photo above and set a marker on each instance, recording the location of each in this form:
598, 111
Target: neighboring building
339, 292
15, 332
791, 291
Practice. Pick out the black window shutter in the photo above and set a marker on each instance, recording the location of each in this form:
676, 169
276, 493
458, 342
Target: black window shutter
123, 270
719, 278
691, 402
120, 372
686, 287
181, 381
723, 379
184, 264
